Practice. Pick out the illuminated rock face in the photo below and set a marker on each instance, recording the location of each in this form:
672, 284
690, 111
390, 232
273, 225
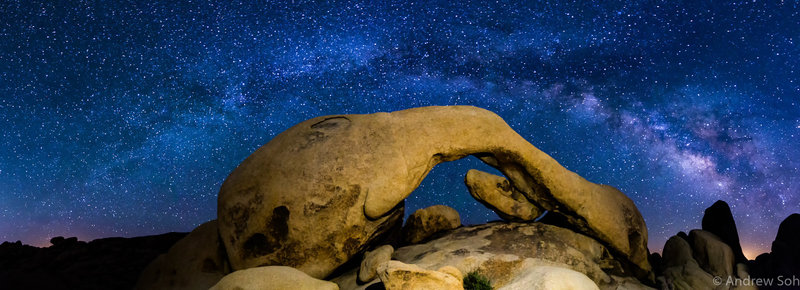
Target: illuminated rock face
497, 194
397, 275
271, 278
195, 262
507, 251
426, 222
319, 192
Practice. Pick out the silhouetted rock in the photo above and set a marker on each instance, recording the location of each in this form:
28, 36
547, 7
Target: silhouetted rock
57, 240
683, 235
789, 230
786, 248
110, 263
656, 261
718, 220
677, 251
690, 261
784, 260
763, 258
787, 242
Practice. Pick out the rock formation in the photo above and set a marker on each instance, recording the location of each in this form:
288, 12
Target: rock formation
320, 192
307, 205
718, 220
496, 193
373, 259
743, 272
109, 263
677, 251
271, 278
400, 276
550, 278
693, 261
786, 247
503, 252
197, 261
784, 260
714, 256
428, 221
681, 271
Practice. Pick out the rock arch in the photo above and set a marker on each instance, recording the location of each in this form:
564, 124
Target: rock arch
319, 192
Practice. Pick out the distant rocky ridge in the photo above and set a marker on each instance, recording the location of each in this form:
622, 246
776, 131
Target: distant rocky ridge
109, 263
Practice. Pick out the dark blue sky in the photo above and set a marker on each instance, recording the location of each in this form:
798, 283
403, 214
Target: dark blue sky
122, 118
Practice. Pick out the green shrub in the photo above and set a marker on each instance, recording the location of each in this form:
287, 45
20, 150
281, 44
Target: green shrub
475, 281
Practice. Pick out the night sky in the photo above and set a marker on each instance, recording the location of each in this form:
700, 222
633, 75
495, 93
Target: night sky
123, 118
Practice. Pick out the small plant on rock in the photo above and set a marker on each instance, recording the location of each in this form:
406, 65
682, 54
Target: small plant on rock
475, 281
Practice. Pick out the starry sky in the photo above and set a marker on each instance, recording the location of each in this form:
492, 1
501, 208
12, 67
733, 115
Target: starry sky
122, 118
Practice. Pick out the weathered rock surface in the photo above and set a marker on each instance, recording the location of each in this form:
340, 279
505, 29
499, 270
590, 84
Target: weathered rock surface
428, 221
496, 193
502, 251
696, 263
197, 261
319, 192
550, 278
693, 261
742, 272
452, 271
397, 275
272, 278
719, 221
677, 251
688, 276
373, 259
681, 271
713, 255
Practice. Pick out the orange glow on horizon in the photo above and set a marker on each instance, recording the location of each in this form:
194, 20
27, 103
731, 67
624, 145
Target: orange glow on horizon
751, 252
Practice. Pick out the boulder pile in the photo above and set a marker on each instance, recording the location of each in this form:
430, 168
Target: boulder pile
712, 258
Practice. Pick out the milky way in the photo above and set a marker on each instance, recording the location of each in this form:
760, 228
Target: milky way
123, 118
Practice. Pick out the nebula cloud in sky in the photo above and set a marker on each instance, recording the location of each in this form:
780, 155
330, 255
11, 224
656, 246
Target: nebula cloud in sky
123, 119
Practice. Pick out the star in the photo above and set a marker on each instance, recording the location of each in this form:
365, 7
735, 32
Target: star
123, 119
